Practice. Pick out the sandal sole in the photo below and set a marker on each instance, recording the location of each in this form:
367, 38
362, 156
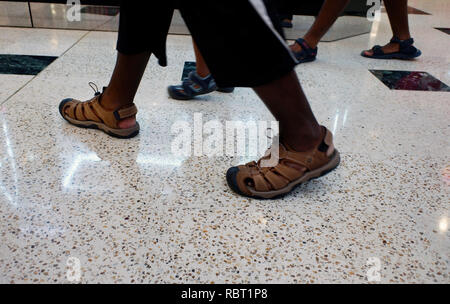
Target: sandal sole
177, 97
320, 172
393, 56
300, 61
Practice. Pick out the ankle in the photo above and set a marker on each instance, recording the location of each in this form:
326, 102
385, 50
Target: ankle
203, 73
111, 102
312, 41
403, 37
303, 141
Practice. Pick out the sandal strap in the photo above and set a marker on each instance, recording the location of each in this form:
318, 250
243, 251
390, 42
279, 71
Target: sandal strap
188, 85
104, 115
378, 50
112, 118
278, 177
406, 46
202, 82
309, 160
281, 175
275, 180
288, 172
403, 43
261, 184
306, 51
126, 112
79, 111
194, 79
89, 112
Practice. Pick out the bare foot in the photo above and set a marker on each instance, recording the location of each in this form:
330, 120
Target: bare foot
297, 48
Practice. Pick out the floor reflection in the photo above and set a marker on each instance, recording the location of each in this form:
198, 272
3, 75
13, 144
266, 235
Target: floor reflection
24, 64
406, 80
10, 190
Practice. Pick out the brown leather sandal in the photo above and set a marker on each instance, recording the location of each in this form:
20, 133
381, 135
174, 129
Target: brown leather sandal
92, 115
252, 180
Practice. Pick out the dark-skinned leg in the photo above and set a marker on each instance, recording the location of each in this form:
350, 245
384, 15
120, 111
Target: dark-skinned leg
124, 84
287, 102
328, 15
299, 132
397, 11
398, 17
202, 68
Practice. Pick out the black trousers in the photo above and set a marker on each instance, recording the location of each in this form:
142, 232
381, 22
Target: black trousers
289, 8
241, 40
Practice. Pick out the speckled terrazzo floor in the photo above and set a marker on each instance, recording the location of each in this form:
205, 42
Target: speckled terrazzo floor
132, 212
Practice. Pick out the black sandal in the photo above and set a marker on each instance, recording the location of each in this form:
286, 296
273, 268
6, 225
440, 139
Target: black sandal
407, 51
307, 54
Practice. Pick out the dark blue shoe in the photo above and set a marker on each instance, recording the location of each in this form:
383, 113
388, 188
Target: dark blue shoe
307, 54
195, 85
407, 51
225, 90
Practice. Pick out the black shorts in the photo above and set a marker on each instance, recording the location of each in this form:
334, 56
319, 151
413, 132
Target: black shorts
241, 40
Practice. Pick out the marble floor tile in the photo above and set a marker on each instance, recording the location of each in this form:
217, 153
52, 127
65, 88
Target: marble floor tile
131, 211
413, 81
24, 64
14, 14
9, 84
37, 42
